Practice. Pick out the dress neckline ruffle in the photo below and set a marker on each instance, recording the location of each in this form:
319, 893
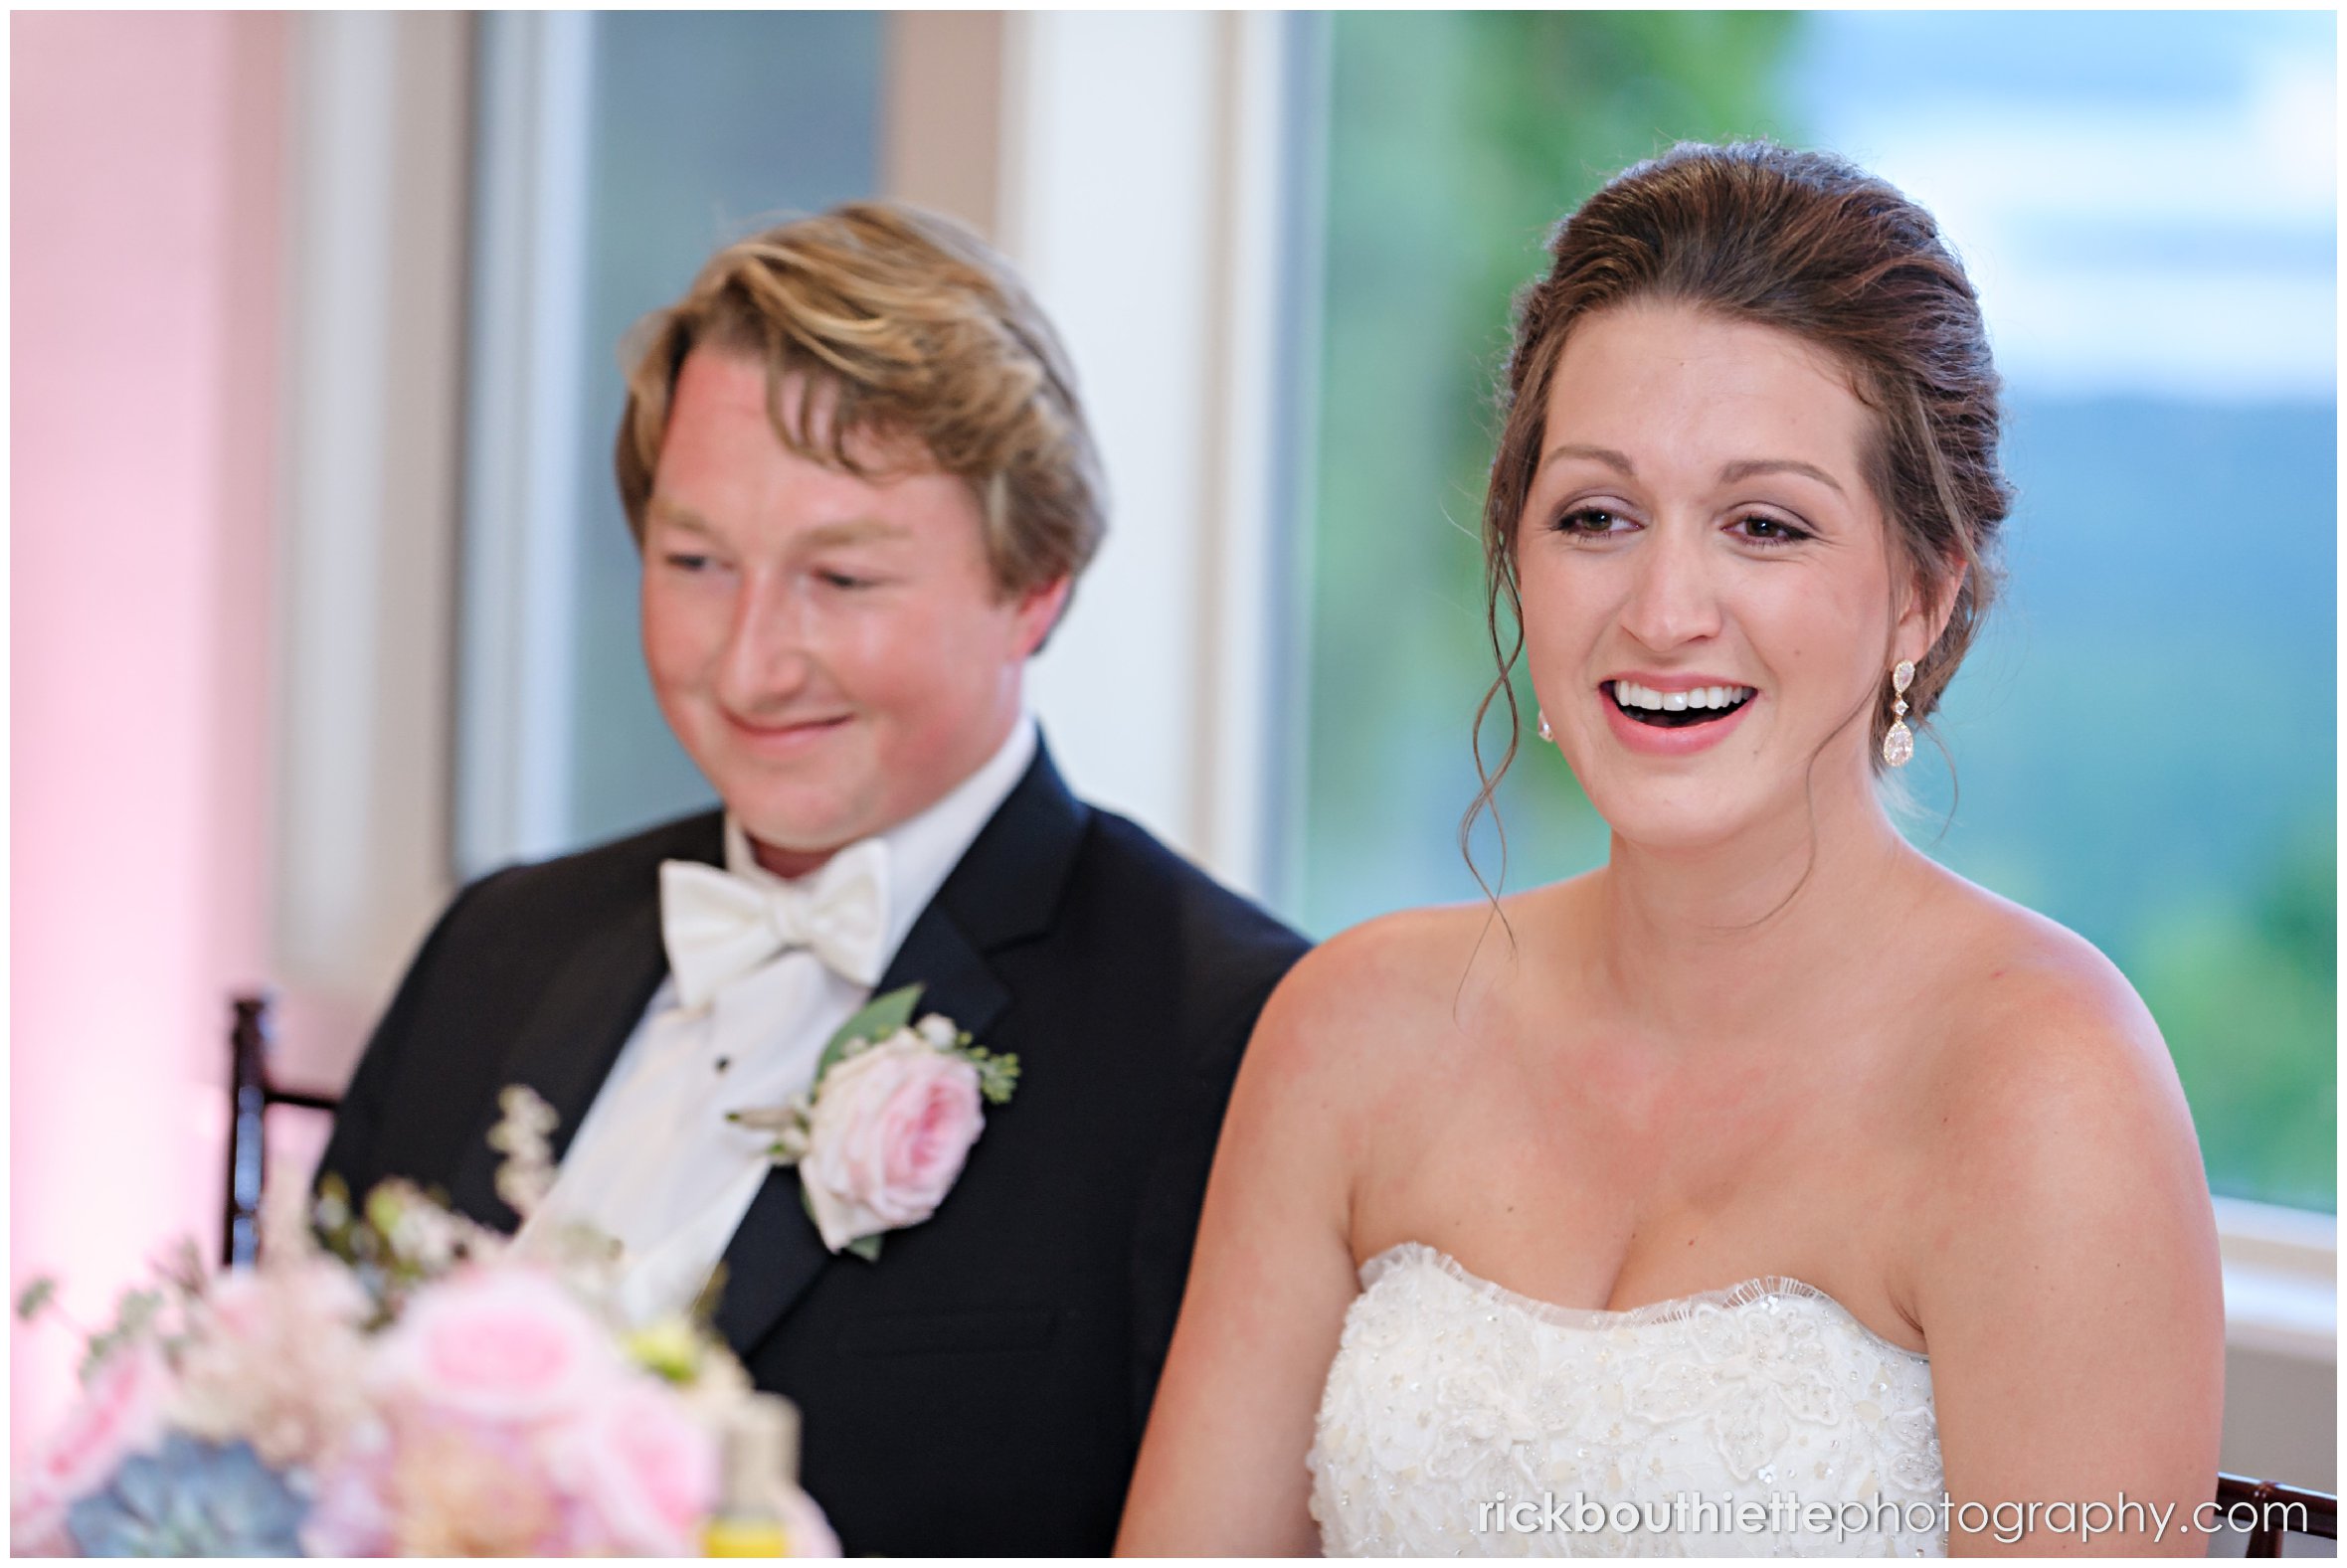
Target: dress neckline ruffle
1761, 1288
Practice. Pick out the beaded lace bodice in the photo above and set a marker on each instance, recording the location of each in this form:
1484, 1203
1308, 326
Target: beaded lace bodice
1460, 1418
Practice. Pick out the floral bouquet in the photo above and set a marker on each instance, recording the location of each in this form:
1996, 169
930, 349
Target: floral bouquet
394, 1380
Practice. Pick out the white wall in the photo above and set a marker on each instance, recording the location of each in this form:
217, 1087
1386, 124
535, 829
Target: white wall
1142, 160
364, 616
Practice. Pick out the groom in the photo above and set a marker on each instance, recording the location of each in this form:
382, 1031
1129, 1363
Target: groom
863, 489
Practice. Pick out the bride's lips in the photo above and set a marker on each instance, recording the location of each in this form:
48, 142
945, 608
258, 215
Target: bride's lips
774, 739
1651, 741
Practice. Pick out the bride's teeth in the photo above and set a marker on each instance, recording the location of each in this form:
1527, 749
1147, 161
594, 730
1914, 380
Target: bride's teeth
1631, 695
1710, 699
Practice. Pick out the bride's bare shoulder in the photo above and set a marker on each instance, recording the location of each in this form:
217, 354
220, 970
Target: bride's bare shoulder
1418, 962
2062, 1217
2029, 1001
2051, 1076
1399, 955
1385, 991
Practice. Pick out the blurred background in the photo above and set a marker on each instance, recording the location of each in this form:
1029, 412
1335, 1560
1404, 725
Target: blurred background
323, 603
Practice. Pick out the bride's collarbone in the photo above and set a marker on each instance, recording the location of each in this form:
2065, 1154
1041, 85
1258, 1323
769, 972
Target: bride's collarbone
1612, 1079
1647, 1128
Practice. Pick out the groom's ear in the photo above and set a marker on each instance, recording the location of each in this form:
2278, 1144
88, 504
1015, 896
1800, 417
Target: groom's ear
1038, 611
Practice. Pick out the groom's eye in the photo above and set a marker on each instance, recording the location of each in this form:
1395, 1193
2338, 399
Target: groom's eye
688, 563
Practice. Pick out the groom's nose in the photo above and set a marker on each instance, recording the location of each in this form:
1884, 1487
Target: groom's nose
767, 652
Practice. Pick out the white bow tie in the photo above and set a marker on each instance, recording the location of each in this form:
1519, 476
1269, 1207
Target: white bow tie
718, 926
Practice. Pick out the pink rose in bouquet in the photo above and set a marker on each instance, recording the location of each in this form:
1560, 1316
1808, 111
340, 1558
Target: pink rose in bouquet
645, 1471
890, 1128
497, 1344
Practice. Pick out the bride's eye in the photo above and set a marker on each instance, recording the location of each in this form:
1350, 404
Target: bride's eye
1763, 529
1592, 522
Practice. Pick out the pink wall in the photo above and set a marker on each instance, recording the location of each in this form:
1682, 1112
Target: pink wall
146, 157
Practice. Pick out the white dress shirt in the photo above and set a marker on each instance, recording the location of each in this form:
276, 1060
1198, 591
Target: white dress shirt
655, 1166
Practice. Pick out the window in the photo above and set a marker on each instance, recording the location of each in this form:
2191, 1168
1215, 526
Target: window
2146, 737
618, 150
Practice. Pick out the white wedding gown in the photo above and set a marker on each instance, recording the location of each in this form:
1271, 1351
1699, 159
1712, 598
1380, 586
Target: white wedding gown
1453, 1401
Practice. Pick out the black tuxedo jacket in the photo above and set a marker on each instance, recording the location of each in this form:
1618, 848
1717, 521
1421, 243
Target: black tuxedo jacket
982, 1386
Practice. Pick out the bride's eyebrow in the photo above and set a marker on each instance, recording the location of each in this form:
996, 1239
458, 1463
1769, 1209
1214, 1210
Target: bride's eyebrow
1604, 455
1746, 467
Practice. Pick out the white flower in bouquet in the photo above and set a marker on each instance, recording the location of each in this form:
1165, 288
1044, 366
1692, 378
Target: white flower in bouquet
268, 1358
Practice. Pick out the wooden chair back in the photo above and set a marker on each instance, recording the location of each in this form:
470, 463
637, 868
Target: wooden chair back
2282, 1510
250, 1095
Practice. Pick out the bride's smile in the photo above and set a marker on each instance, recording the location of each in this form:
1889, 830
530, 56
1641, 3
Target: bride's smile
1673, 714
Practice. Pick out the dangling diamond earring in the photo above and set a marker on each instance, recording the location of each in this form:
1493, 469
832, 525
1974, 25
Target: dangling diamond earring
1546, 734
1898, 741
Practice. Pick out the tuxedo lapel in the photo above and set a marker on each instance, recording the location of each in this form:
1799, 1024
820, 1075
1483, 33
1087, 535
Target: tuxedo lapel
583, 1016
1003, 889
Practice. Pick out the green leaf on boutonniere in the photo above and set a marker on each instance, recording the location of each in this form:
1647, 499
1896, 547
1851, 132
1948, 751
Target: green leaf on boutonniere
998, 1076
864, 1247
875, 1021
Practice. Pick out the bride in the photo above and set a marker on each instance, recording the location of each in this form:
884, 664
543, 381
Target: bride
1770, 1171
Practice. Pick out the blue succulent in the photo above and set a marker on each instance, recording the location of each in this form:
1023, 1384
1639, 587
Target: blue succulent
193, 1499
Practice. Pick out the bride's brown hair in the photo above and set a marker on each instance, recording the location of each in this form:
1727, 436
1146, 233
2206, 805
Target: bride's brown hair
1812, 245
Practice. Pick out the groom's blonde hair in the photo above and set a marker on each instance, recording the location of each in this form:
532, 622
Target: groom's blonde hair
916, 346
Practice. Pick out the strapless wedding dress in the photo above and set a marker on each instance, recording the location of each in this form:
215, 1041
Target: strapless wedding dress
1463, 1418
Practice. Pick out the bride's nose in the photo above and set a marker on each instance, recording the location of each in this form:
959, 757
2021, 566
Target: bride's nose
1673, 599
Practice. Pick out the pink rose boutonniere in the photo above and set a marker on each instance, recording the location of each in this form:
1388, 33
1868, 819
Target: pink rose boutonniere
880, 1137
